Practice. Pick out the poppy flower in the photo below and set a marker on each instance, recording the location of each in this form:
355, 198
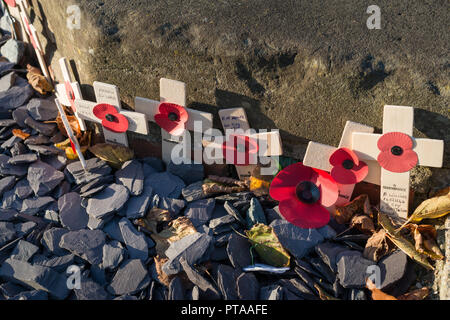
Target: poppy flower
347, 169
397, 153
111, 118
172, 118
240, 150
304, 193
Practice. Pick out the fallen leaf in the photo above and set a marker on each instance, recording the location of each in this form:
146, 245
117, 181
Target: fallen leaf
259, 187
153, 218
377, 294
226, 181
433, 208
114, 155
378, 246
162, 276
74, 124
363, 223
20, 134
419, 294
360, 205
268, 246
63, 145
401, 242
425, 240
38, 81
211, 188
71, 155
323, 294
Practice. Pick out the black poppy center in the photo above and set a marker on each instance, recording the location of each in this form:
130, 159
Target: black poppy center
110, 118
307, 192
173, 116
397, 151
348, 164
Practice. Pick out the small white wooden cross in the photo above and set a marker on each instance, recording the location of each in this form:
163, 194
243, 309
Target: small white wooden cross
269, 142
172, 91
69, 91
395, 185
109, 94
318, 156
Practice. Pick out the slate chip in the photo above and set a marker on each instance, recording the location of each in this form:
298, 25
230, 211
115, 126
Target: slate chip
238, 250
43, 178
87, 244
247, 287
166, 184
137, 207
15, 97
37, 140
7, 233
18, 149
189, 173
71, 213
232, 211
132, 177
207, 290
35, 205
272, 292
176, 290
352, 269
23, 229
7, 184
24, 251
393, 269
226, 280
255, 214
96, 168
108, 201
20, 115
113, 255
137, 246
131, 278
23, 189
174, 206
47, 129
200, 211
193, 192
42, 109
328, 251
58, 264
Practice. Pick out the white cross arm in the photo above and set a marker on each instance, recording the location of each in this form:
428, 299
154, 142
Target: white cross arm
429, 151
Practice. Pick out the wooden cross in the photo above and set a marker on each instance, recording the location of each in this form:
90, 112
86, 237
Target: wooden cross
318, 156
395, 185
69, 91
172, 91
109, 94
269, 143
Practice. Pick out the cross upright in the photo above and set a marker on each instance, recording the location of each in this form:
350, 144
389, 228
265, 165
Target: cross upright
398, 152
318, 156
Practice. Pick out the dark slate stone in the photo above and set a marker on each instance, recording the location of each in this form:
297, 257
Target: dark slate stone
352, 269
35, 295
7, 81
166, 184
131, 278
155, 163
247, 287
47, 129
219, 222
6, 123
113, 255
37, 277
299, 288
189, 173
87, 244
327, 232
7, 184
232, 211
10, 201
90, 290
43, 178
137, 207
6, 66
193, 192
108, 201
222, 239
393, 269
193, 248
15, 97
35, 205
207, 290
306, 266
176, 289
42, 109
37, 140
51, 239
132, 177
226, 280
7, 169
98, 274
24, 229
272, 292
306, 279
58, 264
8, 144
255, 214
134, 240
112, 229
148, 170
299, 242
328, 251
71, 213
24, 251
238, 250
7, 215
233, 197
174, 206
20, 115
23, 189
62, 189
200, 211
219, 254
324, 269
58, 162
102, 181
96, 168
18, 149
7, 233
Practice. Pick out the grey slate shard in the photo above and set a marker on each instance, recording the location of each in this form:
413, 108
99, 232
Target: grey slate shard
247, 287
37, 140
192, 248
306, 266
108, 201
43, 178
113, 255
35, 295
356, 294
352, 269
23, 189
92, 192
97, 224
112, 229
131, 278
58, 264
8, 144
90, 290
299, 288
51, 239
62, 189
272, 292
15, 97
174, 206
207, 289
148, 170
10, 200
7, 184
47, 129
58, 162
24, 229
72, 215
24, 251
7, 169
327, 232
137, 207
166, 185
7, 215
226, 280
200, 211
299, 242
238, 250
18, 149
20, 115
137, 246
233, 197
306, 279
176, 290
328, 251
232, 211
219, 222
132, 177
87, 244
96, 168
6, 65
7, 81
37, 277
51, 216
155, 163
42, 109
35, 205
324, 269
393, 269
7, 233
193, 192
219, 254
100, 181
189, 173
6, 123
255, 214
13, 50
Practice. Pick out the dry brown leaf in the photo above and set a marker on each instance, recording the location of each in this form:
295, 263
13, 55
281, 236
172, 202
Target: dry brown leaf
74, 124
378, 246
377, 294
162, 276
38, 81
323, 294
425, 240
360, 205
20, 134
114, 155
363, 223
433, 208
212, 188
419, 294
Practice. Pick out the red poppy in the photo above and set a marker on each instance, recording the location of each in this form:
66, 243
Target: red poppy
304, 193
111, 118
397, 153
347, 169
172, 118
240, 150
70, 95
